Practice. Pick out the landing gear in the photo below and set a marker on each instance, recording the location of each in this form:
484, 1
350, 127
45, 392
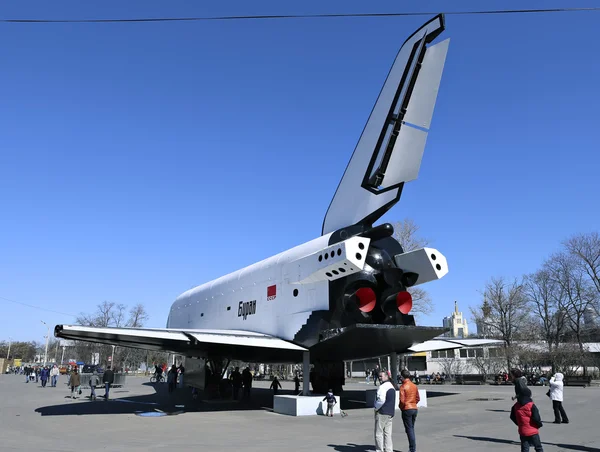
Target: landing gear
327, 375
215, 386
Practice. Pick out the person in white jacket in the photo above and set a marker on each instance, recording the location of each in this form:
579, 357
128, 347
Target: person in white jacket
556, 395
385, 408
54, 373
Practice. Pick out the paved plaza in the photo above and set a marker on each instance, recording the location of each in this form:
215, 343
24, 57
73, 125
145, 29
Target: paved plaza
144, 417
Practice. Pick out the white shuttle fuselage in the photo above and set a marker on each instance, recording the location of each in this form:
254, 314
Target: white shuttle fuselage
264, 297
346, 294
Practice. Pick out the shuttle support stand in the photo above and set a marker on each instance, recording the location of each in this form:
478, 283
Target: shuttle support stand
306, 373
394, 366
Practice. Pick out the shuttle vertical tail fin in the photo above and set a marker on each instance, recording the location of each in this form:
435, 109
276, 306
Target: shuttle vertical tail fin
391, 146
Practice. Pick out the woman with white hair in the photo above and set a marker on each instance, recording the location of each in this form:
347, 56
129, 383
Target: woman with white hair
556, 394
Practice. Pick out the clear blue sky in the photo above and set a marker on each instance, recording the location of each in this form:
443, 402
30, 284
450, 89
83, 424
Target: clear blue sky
139, 160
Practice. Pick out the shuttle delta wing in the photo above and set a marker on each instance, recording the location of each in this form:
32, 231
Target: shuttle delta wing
242, 345
390, 149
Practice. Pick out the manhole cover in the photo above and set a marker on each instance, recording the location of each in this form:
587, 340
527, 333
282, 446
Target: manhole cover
485, 399
156, 413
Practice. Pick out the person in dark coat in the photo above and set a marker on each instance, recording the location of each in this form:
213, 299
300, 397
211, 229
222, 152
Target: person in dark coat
44, 375
172, 378
296, 384
75, 383
247, 380
108, 378
275, 385
236, 382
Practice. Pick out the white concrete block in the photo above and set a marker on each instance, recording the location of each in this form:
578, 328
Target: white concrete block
423, 397
371, 394
303, 405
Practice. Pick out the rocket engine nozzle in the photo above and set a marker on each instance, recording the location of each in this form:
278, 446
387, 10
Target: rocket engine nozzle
394, 302
366, 299
363, 299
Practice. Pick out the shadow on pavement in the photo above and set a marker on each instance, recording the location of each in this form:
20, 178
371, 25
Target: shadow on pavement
434, 394
161, 401
351, 447
489, 440
499, 411
506, 441
178, 402
575, 447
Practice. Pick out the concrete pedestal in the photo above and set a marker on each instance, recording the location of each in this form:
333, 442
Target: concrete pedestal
371, 394
302, 405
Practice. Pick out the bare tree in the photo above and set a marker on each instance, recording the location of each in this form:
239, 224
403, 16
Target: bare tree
579, 293
585, 248
546, 299
488, 366
504, 311
132, 357
406, 232
110, 314
118, 315
137, 316
452, 366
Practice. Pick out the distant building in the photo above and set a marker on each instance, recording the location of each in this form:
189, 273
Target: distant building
456, 323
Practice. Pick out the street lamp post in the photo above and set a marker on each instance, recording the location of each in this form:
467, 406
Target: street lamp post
47, 339
112, 358
9, 344
62, 358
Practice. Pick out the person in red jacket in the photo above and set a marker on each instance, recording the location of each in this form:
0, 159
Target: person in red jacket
526, 416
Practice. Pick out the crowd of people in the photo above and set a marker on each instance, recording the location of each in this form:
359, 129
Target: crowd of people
43, 374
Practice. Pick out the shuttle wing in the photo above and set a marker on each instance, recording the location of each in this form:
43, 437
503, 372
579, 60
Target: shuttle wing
243, 345
391, 146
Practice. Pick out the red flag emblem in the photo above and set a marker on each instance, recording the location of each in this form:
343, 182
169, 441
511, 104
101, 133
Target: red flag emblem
271, 293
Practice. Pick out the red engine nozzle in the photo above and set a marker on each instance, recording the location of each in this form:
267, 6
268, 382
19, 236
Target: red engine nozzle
395, 302
404, 302
366, 299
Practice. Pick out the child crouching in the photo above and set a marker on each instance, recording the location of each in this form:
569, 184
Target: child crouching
526, 416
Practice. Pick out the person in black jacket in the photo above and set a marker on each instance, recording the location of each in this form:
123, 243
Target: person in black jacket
247, 380
236, 382
108, 378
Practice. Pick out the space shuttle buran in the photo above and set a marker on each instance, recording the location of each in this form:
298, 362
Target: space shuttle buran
342, 296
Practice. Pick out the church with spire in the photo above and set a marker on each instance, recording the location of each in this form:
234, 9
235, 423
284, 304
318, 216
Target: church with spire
456, 323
